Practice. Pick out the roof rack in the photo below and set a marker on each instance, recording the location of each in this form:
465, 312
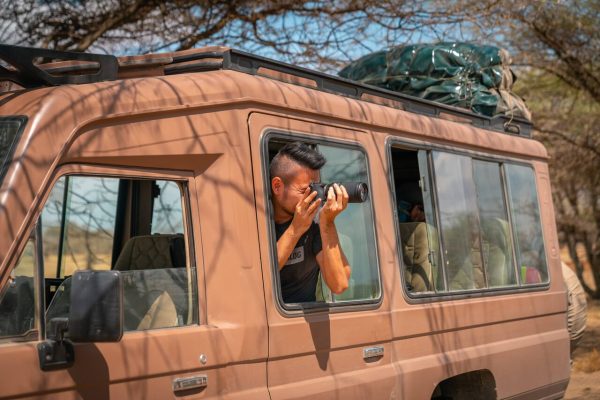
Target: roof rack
28, 74
89, 68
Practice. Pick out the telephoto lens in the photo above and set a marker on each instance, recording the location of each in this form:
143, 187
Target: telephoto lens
357, 191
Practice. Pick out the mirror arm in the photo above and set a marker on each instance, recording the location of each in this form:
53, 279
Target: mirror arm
56, 353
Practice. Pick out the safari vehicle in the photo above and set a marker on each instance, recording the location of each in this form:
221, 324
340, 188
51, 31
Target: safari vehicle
137, 244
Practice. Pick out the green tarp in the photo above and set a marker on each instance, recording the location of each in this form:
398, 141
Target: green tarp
465, 75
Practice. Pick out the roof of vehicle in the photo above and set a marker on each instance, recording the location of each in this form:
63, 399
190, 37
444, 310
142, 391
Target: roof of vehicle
81, 68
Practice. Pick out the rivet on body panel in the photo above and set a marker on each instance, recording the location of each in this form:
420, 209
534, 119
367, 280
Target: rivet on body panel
203, 359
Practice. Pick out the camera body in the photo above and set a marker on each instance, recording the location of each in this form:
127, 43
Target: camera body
357, 191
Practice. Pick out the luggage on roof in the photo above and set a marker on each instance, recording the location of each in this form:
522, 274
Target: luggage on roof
465, 75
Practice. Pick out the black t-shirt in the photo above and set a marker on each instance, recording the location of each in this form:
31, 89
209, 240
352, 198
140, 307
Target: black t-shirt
300, 273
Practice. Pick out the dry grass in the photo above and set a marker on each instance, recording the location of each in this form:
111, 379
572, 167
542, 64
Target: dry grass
587, 357
588, 362
71, 262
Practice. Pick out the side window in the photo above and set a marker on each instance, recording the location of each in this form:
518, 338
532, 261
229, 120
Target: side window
497, 249
525, 212
487, 217
459, 221
416, 221
135, 226
355, 233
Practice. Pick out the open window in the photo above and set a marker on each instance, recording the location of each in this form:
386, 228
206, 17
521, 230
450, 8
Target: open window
135, 226
417, 225
355, 226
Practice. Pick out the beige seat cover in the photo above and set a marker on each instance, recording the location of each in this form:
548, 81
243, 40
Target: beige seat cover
415, 253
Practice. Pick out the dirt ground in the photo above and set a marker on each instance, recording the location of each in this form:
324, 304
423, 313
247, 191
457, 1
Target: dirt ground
585, 373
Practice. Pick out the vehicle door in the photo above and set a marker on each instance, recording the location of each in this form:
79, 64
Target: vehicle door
340, 345
146, 224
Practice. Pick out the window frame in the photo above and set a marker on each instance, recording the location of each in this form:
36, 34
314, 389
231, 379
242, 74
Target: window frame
416, 145
184, 180
296, 310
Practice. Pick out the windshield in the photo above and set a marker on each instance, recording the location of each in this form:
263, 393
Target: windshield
10, 130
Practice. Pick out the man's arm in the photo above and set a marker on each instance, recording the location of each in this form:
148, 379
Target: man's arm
303, 217
332, 260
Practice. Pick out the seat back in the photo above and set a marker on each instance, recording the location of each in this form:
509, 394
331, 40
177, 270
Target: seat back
152, 251
154, 281
415, 253
497, 252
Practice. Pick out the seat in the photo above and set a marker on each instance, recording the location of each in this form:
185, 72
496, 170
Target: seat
415, 253
497, 252
154, 281
152, 251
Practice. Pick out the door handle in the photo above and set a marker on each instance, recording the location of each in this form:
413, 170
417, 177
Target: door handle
190, 383
370, 353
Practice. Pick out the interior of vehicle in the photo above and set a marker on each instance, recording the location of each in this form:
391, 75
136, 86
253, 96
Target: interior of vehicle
411, 220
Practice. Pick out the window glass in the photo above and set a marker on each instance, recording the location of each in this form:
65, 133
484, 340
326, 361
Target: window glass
459, 221
431, 224
134, 226
495, 231
354, 225
167, 215
51, 221
527, 228
10, 128
17, 301
89, 223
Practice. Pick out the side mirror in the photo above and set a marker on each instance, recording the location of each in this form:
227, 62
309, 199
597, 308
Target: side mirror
96, 312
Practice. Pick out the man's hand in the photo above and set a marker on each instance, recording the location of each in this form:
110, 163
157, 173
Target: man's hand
337, 201
305, 212
303, 217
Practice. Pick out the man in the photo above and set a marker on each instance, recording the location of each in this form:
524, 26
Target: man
305, 247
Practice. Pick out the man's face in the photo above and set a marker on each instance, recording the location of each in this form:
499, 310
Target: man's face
287, 196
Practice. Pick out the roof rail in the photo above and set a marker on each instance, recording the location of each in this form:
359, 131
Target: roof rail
28, 74
89, 68
251, 64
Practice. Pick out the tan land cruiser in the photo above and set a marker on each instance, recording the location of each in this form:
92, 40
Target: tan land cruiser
138, 253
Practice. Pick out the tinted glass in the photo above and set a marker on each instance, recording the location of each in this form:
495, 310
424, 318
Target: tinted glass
17, 304
354, 225
459, 221
495, 231
10, 129
527, 226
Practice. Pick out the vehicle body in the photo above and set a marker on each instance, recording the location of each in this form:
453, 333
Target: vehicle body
203, 124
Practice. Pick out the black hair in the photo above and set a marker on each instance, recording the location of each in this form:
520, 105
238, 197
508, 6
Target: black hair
298, 153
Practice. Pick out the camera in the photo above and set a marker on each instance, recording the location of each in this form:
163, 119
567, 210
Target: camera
357, 191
